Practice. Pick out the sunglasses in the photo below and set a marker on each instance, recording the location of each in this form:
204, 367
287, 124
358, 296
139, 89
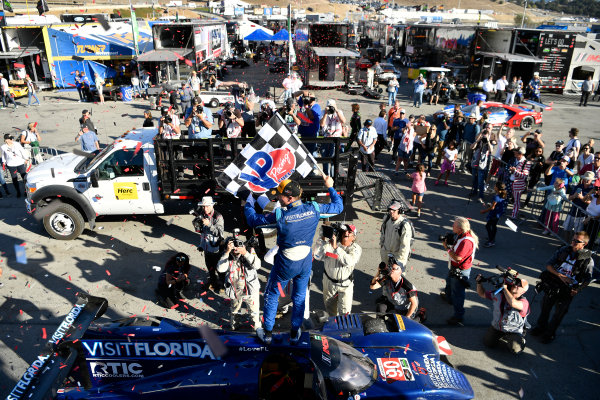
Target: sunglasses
596, 158
180, 258
577, 241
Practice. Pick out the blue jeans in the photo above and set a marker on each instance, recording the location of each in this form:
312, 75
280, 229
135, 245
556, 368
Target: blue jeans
2, 181
30, 95
418, 99
455, 292
429, 156
479, 176
136, 88
391, 98
283, 271
145, 87
327, 150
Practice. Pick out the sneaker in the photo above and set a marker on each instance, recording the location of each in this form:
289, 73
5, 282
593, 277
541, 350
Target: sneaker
486, 187
444, 297
446, 183
455, 321
437, 183
295, 336
489, 244
480, 200
265, 336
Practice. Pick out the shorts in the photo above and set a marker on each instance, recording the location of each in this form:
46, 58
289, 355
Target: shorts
419, 194
404, 154
573, 223
447, 166
495, 166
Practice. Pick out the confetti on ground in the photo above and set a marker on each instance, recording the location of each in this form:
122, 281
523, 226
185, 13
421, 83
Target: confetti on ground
44, 336
108, 272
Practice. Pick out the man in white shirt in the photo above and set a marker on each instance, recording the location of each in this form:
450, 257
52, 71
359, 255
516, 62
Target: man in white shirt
14, 158
296, 82
194, 83
367, 137
500, 88
488, 88
6, 92
380, 125
287, 87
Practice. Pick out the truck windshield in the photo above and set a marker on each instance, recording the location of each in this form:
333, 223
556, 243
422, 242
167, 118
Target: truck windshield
85, 167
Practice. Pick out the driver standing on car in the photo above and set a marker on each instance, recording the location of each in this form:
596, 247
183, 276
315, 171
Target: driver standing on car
296, 226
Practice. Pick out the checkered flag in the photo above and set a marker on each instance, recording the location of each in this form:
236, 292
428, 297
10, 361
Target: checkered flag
273, 155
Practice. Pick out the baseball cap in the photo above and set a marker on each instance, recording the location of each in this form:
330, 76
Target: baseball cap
84, 112
538, 131
473, 115
589, 176
559, 142
402, 111
368, 122
288, 187
395, 205
520, 150
565, 158
331, 103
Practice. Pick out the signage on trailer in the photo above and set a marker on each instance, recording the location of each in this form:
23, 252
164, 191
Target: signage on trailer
556, 49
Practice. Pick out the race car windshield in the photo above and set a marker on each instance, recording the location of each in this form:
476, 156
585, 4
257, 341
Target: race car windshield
343, 368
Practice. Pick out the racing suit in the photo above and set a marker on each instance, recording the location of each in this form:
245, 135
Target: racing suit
338, 275
296, 227
241, 283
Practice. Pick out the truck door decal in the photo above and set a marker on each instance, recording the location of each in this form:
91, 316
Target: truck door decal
125, 191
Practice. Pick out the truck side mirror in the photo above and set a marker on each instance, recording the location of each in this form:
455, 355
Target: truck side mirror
94, 178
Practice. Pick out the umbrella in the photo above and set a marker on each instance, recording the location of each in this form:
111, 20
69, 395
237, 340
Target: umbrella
281, 35
258, 35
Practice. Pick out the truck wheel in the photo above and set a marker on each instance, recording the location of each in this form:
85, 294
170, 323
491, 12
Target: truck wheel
526, 123
213, 103
64, 222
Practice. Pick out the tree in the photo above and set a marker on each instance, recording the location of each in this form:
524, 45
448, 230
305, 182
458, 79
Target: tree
519, 18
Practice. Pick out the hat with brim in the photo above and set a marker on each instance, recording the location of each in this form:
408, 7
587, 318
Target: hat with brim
395, 205
207, 201
288, 187
565, 158
589, 176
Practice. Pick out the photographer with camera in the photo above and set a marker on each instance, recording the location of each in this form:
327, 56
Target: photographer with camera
567, 273
289, 114
399, 295
230, 121
310, 117
460, 245
340, 254
397, 235
510, 310
480, 164
240, 266
210, 225
332, 125
168, 124
174, 279
199, 122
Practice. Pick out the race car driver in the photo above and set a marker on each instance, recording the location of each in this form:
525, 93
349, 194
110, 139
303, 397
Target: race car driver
296, 226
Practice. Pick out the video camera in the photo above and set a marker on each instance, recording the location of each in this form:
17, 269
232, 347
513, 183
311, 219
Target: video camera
553, 285
330, 110
336, 229
449, 238
507, 276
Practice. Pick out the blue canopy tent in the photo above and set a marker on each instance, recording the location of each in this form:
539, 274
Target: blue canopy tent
281, 35
258, 35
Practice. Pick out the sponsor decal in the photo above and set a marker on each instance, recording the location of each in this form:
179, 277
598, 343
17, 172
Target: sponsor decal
264, 171
125, 190
325, 354
440, 374
400, 322
100, 369
394, 369
147, 349
252, 349
417, 369
67, 323
34, 369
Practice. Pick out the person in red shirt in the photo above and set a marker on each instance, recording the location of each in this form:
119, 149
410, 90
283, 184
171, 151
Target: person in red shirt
461, 254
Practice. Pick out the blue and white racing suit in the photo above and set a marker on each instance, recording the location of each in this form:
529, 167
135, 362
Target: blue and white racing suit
296, 227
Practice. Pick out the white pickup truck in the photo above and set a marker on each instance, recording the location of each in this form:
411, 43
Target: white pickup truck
214, 98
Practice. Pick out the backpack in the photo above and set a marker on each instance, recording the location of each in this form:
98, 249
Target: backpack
400, 231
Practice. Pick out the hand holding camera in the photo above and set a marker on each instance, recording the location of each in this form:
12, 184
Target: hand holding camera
205, 221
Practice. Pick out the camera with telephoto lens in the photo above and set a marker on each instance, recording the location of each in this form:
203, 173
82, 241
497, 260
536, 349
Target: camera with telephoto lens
167, 119
507, 276
306, 101
449, 238
386, 269
199, 109
227, 114
330, 110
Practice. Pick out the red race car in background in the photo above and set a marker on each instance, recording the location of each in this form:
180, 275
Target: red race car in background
515, 116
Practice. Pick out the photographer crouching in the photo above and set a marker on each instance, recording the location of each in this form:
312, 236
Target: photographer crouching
340, 254
567, 273
240, 266
399, 295
510, 309
461, 249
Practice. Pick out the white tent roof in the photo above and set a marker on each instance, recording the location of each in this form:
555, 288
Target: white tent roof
247, 27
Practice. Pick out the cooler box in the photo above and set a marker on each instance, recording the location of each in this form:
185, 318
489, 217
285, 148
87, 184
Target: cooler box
473, 98
126, 93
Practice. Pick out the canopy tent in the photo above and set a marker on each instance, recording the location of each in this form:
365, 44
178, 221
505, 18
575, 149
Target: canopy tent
258, 35
281, 35
65, 71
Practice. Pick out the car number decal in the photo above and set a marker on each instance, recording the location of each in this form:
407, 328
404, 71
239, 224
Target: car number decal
395, 369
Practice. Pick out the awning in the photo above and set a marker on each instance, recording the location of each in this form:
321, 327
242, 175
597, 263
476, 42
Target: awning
335, 52
25, 52
513, 57
162, 55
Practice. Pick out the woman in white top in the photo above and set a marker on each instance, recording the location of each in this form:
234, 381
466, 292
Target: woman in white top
14, 158
585, 158
31, 92
332, 125
392, 90
30, 141
99, 82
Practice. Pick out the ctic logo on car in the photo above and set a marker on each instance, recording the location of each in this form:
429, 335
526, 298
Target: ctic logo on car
264, 171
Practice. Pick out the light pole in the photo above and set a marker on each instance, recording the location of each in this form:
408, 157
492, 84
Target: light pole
523, 18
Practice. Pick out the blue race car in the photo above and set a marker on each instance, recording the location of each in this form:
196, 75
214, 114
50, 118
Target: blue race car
354, 356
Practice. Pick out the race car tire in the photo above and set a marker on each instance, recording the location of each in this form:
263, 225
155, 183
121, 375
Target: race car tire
376, 325
526, 123
63, 222
213, 103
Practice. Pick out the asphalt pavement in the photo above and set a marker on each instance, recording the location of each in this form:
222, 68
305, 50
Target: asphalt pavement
117, 259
